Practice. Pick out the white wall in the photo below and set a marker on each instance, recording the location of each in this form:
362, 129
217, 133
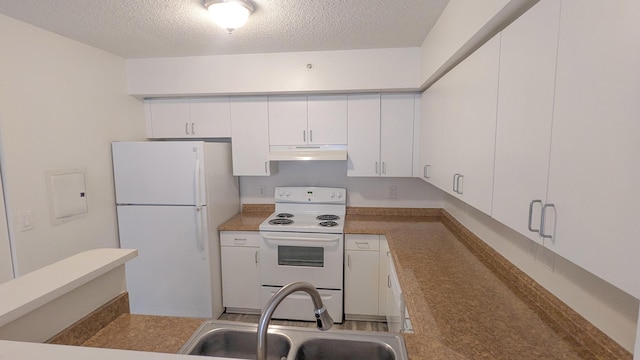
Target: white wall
411, 192
61, 105
463, 26
6, 264
613, 311
333, 71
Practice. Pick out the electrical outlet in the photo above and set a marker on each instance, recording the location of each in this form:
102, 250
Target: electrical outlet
547, 258
533, 249
262, 190
393, 192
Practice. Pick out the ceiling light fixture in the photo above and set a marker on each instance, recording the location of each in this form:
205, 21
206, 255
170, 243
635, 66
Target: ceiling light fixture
229, 14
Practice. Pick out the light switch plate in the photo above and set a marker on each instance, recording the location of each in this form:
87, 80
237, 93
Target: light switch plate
26, 220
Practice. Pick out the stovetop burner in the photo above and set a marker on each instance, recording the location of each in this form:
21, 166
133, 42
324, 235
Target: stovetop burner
328, 217
280, 221
307, 209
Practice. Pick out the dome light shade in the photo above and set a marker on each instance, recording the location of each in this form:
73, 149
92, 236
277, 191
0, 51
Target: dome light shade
229, 14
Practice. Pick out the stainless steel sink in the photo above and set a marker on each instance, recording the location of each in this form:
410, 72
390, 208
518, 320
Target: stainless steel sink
238, 340
334, 349
239, 344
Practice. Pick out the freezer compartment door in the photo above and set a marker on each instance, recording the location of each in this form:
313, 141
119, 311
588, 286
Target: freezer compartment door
159, 173
171, 276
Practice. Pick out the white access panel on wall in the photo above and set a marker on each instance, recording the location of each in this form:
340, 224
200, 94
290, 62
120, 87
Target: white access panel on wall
67, 195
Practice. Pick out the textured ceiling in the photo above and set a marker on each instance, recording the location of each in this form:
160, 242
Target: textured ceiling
167, 28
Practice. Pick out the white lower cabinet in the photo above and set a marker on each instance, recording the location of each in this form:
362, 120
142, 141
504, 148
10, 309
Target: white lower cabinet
365, 276
240, 274
384, 257
397, 314
361, 274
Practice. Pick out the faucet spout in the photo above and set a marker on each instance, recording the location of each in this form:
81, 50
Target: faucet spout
323, 319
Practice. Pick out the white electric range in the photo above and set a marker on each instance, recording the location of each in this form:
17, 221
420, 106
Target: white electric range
303, 241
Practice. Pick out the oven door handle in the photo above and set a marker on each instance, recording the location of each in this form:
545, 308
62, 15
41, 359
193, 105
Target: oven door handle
303, 238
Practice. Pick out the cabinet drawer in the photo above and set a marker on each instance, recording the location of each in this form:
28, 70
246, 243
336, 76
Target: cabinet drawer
240, 238
362, 242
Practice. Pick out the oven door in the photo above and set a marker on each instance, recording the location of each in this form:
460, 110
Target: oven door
315, 258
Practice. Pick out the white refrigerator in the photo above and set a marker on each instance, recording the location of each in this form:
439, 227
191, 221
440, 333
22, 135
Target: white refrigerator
171, 196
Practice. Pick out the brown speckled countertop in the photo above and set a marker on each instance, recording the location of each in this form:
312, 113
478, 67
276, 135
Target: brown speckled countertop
249, 219
145, 333
465, 300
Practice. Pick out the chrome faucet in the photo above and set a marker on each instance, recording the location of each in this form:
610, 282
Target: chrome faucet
323, 319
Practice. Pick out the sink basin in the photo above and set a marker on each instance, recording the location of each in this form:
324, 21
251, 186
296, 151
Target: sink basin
239, 344
238, 340
319, 349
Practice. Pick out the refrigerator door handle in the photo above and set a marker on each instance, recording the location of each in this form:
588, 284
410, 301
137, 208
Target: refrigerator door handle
199, 237
197, 184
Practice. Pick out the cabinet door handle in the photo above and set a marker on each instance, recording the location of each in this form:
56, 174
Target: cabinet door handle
239, 241
186, 128
543, 220
531, 215
349, 261
389, 281
193, 131
455, 182
384, 168
265, 167
377, 173
304, 135
460, 188
310, 135
426, 171
255, 256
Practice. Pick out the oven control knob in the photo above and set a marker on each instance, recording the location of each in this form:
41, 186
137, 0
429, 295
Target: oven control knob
332, 195
288, 193
280, 192
339, 195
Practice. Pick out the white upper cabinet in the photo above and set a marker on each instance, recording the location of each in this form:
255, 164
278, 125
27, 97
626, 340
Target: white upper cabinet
528, 55
363, 135
250, 137
288, 120
188, 118
298, 120
594, 172
380, 135
469, 98
396, 134
431, 119
327, 120
211, 117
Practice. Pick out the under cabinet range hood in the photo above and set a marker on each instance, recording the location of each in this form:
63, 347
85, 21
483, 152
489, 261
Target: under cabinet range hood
307, 152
